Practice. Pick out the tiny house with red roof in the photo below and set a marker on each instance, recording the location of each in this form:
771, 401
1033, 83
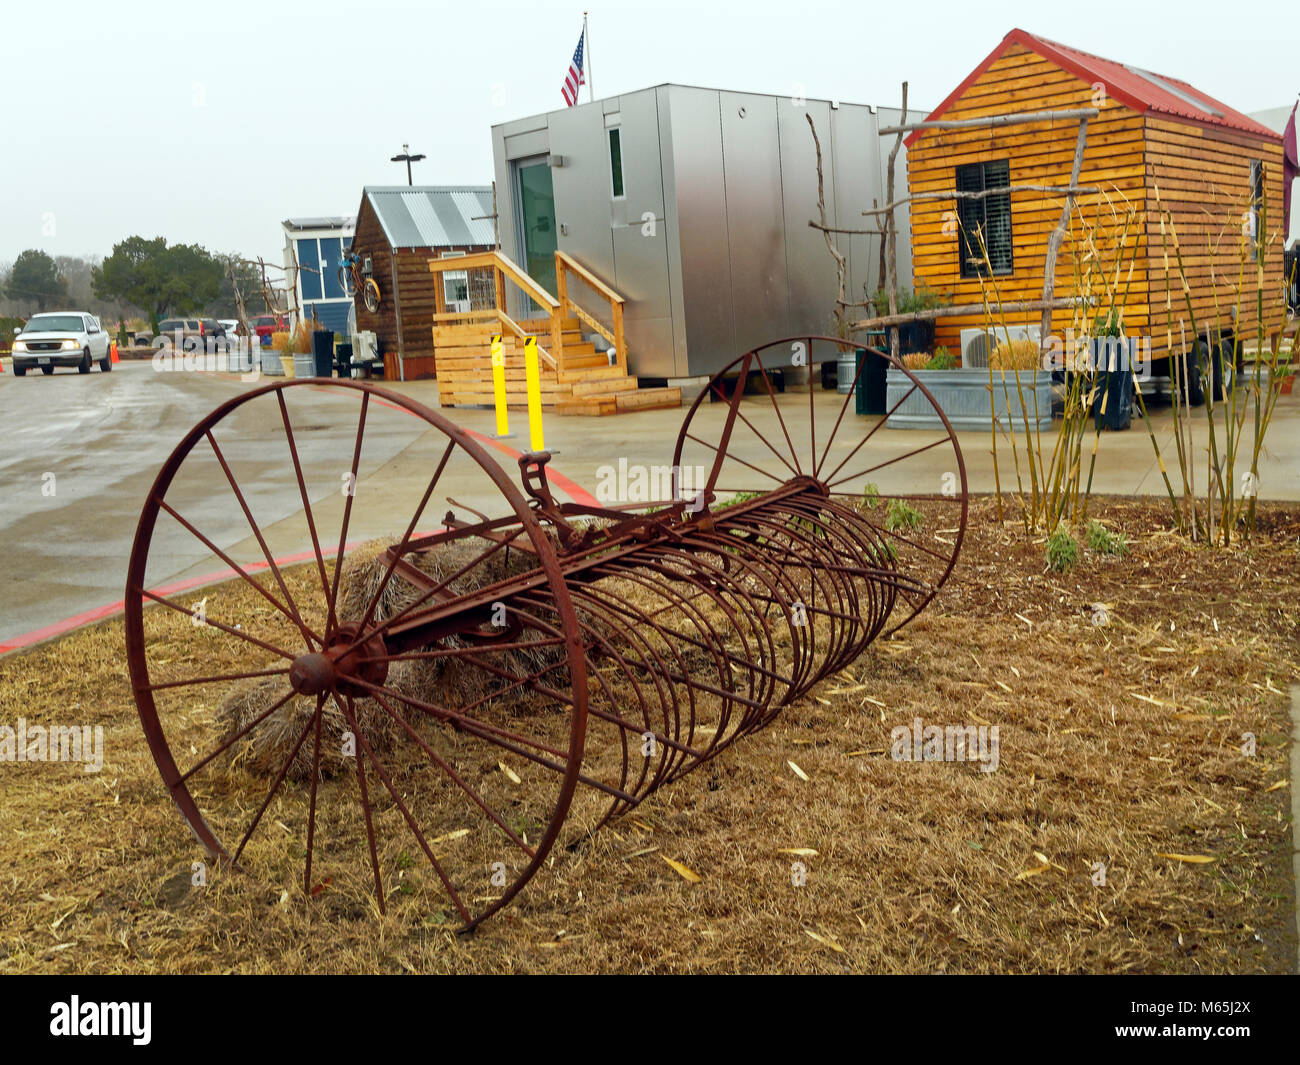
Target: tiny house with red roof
1152, 132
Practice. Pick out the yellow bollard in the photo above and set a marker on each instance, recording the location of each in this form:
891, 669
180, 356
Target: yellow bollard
532, 375
499, 385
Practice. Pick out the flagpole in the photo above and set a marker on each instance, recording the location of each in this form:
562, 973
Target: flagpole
586, 60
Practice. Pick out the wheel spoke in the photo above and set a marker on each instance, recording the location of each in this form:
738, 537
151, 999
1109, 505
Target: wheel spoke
753, 429
794, 454
346, 706
292, 615
279, 779
307, 633
146, 594
217, 677
890, 462
311, 805
410, 821
872, 431
442, 764
406, 537
306, 507
347, 506
232, 740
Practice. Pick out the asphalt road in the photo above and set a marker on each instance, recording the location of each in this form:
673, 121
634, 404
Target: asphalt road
79, 455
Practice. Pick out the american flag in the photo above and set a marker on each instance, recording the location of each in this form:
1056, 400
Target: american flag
574, 79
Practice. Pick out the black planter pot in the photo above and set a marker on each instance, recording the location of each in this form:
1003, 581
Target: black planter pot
916, 336
322, 351
1113, 358
872, 387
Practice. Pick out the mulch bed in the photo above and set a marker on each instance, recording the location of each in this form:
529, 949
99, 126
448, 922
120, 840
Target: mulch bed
1127, 828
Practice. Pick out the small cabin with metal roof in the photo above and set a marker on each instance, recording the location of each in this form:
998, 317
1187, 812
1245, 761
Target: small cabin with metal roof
1156, 143
399, 229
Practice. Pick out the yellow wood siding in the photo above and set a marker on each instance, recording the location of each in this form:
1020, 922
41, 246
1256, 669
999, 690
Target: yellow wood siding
1203, 177
1020, 80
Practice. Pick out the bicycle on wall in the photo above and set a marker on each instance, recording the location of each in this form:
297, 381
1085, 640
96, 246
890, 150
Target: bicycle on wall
354, 278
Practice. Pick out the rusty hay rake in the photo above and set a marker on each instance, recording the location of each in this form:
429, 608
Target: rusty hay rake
462, 673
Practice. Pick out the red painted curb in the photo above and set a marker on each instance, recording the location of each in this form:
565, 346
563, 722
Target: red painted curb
569, 488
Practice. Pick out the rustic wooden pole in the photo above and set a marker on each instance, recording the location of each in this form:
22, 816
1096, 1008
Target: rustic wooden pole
1058, 235
1011, 119
1057, 303
841, 260
891, 227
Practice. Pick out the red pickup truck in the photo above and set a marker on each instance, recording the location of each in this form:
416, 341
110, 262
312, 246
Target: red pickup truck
266, 324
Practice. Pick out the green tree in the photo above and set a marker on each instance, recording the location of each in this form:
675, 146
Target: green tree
35, 279
180, 279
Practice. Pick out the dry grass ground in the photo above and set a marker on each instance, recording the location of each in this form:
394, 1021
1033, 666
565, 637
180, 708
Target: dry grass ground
1120, 744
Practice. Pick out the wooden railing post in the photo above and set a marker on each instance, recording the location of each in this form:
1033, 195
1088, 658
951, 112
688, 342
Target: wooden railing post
439, 302
557, 337
561, 283
620, 348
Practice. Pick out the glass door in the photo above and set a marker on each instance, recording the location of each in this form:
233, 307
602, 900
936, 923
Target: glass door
537, 220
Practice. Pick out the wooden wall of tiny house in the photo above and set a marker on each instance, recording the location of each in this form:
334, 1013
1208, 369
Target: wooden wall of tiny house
1020, 80
404, 321
1203, 176
1202, 172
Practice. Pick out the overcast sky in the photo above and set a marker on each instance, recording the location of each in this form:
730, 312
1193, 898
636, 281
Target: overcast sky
210, 123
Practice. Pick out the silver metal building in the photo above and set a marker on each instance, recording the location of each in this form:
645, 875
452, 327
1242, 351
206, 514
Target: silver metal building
694, 204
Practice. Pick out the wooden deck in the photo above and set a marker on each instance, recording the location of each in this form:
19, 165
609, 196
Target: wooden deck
576, 377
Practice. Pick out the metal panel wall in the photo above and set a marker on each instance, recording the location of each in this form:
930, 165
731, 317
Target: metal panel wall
701, 224
756, 225
810, 267
730, 261
640, 237
672, 231
582, 186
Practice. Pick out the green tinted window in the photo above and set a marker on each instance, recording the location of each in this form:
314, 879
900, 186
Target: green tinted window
616, 162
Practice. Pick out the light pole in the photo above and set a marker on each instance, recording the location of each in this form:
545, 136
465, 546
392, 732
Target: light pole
407, 158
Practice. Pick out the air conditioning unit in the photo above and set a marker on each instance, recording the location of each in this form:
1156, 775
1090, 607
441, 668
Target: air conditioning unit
365, 345
977, 342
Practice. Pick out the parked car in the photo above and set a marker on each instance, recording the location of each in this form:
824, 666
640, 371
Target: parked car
184, 327
210, 327
67, 338
230, 325
266, 324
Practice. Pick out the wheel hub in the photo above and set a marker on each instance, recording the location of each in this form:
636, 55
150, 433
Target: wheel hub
311, 674
367, 661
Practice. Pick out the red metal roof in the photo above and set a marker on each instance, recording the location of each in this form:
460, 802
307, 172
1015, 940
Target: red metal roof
1141, 90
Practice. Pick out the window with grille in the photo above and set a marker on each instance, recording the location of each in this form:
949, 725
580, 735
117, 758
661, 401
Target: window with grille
984, 222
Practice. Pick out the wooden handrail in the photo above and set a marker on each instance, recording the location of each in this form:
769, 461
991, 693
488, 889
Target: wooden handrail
502, 268
509, 325
570, 263
501, 262
566, 263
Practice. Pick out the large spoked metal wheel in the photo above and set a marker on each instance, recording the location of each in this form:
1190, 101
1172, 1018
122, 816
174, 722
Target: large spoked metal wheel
765, 421
330, 684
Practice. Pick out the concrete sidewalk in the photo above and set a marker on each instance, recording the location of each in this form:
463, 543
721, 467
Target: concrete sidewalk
1126, 461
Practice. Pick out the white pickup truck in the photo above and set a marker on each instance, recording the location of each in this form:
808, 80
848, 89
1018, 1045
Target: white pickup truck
68, 338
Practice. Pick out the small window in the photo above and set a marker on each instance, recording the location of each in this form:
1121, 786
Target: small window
616, 162
984, 221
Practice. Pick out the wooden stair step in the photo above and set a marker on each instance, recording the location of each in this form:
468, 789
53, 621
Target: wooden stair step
650, 399
597, 406
590, 406
604, 386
